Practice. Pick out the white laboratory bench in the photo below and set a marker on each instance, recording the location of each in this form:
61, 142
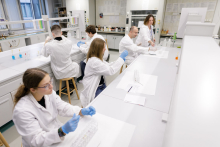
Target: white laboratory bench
11, 72
195, 109
164, 68
150, 128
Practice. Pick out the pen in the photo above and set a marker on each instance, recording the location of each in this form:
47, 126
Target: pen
130, 88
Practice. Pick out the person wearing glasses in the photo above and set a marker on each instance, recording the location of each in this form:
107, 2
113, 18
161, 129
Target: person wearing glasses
36, 106
146, 34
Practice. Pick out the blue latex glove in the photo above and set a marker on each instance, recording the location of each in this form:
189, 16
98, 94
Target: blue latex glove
88, 111
124, 54
71, 125
80, 43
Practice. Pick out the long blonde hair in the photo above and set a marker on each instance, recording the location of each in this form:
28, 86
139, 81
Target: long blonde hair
96, 49
31, 79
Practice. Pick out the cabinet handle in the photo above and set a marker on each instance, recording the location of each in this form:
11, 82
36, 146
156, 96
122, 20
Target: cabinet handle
3, 101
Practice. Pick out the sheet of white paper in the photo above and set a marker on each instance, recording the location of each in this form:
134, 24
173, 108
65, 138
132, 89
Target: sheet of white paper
113, 8
108, 10
100, 9
104, 9
174, 18
160, 54
123, 3
182, 5
175, 7
115, 3
117, 9
167, 18
116, 19
134, 99
140, 23
169, 7
111, 19
189, 5
196, 5
123, 10
204, 4
106, 2
111, 132
147, 83
211, 6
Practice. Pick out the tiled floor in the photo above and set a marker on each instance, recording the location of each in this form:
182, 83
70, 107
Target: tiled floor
14, 139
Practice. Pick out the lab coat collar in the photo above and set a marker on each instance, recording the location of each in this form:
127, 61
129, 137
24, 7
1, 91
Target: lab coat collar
47, 101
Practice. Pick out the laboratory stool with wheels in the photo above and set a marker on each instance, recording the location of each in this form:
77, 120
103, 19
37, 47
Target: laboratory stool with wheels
3, 141
122, 68
68, 88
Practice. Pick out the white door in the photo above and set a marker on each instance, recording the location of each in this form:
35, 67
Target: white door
117, 41
6, 108
111, 41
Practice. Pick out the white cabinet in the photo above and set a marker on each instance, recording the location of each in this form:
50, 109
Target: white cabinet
104, 36
6, 109
37, 39
113, 41
13, 44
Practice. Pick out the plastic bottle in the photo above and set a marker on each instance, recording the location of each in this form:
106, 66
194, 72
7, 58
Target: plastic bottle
20, 55
13, 57
165, 42
68, 35
169, 43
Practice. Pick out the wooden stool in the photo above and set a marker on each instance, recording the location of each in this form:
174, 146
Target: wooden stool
3, 141
68, 88
122, 68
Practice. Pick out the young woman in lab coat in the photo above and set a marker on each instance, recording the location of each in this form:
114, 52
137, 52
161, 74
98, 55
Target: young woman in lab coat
97, 68
36, 109
84, 46
146, 34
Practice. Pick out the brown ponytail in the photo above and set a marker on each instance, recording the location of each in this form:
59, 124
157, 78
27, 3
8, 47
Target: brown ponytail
31, 78
96, 49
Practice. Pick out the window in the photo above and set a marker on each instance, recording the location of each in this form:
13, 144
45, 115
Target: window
12, 13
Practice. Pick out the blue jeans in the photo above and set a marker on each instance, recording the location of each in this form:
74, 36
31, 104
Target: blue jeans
100, 89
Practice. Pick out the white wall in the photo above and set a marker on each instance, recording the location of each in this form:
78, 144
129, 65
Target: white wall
216, 18
106, 20
92, 12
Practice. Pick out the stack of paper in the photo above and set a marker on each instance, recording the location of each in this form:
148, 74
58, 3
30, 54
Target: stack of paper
134, 99
147, 83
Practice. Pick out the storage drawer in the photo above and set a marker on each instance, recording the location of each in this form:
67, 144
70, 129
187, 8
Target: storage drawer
9, 87
6, 109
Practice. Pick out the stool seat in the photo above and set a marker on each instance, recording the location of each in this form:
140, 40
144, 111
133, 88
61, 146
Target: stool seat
68, 88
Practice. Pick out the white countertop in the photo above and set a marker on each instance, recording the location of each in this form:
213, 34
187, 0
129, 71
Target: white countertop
194, 119
11, 68
164, 68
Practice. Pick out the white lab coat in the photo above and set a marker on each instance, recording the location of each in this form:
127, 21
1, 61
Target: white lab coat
145, 36
95, 68
133, 50
61, 63
39, 126
85, 47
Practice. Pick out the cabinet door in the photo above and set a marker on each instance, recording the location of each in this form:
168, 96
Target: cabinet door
34, 39
41, 38
6, 108
117, 41
111, 41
